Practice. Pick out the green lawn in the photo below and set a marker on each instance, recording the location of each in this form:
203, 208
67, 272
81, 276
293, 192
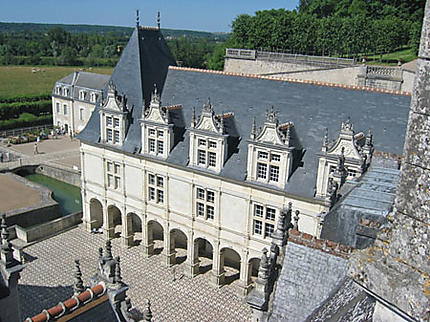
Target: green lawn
406, 55
21, 80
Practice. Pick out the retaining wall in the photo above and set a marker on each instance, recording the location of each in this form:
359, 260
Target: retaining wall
58, 172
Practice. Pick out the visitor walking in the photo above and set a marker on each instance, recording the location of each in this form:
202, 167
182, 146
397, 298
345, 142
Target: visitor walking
36, 151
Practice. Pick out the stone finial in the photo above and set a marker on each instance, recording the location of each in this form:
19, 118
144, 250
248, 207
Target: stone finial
369, 138
193, 118
281, 221
296, 220
347, 126
128, 304
158, 20
137, 17
6, 246
109, 250
253, 130
325, 141
78, 286
118, 277
155, 97
207, 107
271, 116
340, 167
288, 136
100, 254
147, 313
221, 123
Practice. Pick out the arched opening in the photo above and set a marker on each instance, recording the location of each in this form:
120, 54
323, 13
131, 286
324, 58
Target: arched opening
134, 228
254, 264
230, 264
115, 222
178, 243
155, 236
203, 250
96, 214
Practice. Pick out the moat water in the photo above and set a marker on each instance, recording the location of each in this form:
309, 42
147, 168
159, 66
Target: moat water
67, 196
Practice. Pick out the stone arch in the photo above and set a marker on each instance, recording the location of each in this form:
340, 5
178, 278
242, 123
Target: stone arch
114, 221
230, 264
134, 229
96, 214
203, 253
178, 245
155, 233
254, 264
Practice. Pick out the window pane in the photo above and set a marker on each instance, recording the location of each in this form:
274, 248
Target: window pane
212, 159
270, 213
274, 173
160, 196
116, 136
116, 122
151, 179
200, 209
109, 135
160, 181
211, 196
160, 134
202, 142
110, 180
258, 210
58, 107
212, 144
262, 155
117, 182
109, 166
117, 167
65, 109
268, 229
160, 147
151, 132
81, 114
275, 157
261, 170
201, 157
258, 227
210, 212
151, 193
151, 145
108, 121
200, 193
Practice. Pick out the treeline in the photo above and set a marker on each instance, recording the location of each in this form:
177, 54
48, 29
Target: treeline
58, 46
297, 32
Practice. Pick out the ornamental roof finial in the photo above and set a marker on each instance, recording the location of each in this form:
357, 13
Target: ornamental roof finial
193, 118
253, 129
158, 20
137, 18
271, 115
325, 141
78, 287
147, 313
208, 107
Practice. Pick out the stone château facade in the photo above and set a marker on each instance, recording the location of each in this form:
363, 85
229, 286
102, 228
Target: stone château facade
74, 98
161, 161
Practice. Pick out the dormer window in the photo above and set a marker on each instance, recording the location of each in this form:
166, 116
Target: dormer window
66, 92
157, 129
113, 117
93, 97
270, 152
82, 95
58, 90
209, 137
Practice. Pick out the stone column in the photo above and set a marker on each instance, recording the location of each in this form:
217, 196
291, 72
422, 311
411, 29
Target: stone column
169, 248
244, 283
147, 238
108, 227
127, 236
192, 263
218, 273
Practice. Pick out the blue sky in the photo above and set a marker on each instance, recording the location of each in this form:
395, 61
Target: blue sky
202, 15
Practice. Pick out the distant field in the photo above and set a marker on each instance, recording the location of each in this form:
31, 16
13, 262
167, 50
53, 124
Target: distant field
20, 80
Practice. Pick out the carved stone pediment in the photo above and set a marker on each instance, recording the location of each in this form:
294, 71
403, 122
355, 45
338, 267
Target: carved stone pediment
207, 123
113, 101
269, 134
350, 150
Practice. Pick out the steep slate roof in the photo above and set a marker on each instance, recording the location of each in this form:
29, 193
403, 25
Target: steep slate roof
311, 108
370, 199
86, 80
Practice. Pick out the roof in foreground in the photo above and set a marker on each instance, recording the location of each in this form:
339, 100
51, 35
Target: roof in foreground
311, 108
86, 80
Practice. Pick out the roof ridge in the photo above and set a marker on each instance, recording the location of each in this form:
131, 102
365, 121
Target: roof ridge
294, 80
70, 304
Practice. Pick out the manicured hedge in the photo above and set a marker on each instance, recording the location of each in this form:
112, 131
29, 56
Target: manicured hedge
25, 120
25, 98
14, 110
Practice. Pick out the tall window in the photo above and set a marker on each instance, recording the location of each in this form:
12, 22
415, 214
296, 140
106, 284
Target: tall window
263, 220
113, 130
58, 107
206, 153
155, 188
268, 166
113, 170
82, 95
205, 203
81, 114
65, 109
156, 141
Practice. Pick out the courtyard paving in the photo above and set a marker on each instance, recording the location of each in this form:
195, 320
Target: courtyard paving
48, 279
